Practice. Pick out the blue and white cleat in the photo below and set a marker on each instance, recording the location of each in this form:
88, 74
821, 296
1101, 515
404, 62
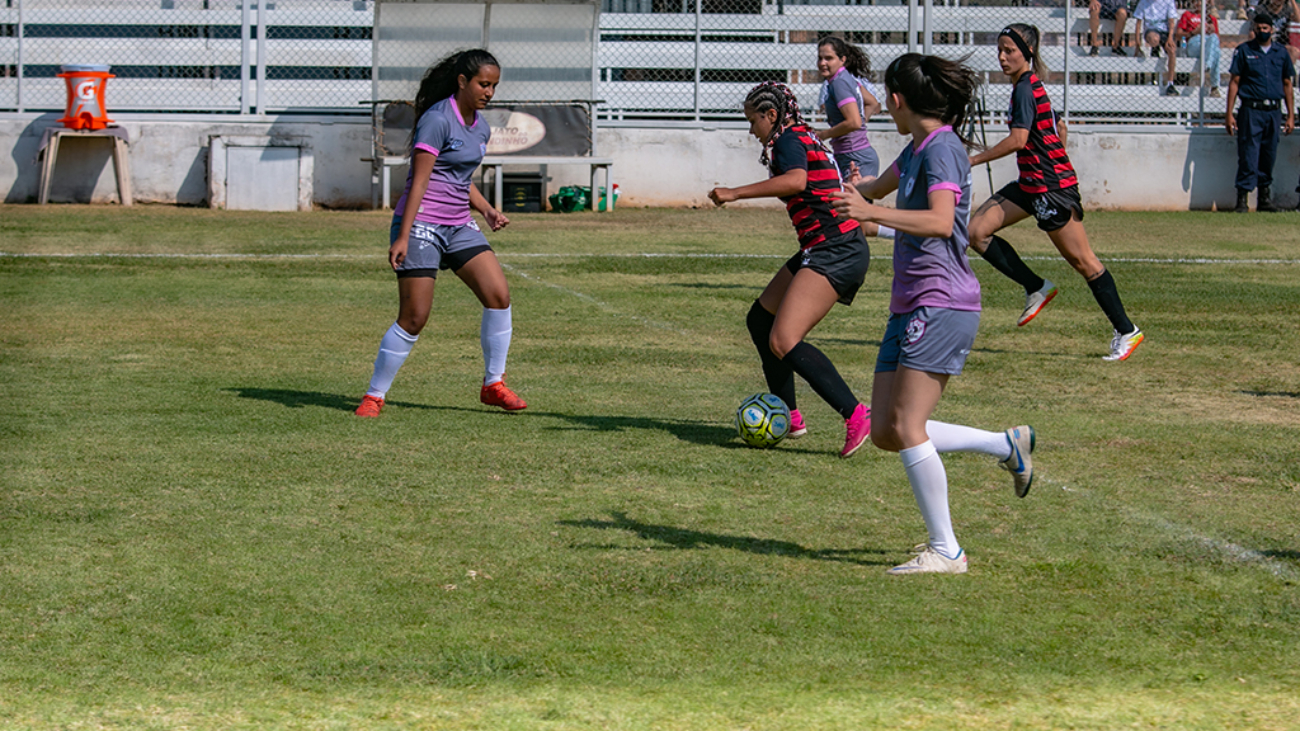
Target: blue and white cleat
1020, 464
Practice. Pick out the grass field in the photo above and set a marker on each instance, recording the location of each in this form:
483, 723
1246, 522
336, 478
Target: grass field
195, 532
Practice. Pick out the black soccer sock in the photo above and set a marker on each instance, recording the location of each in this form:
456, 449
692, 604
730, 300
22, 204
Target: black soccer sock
1005, 259
779, 375
815, 368
1103, 288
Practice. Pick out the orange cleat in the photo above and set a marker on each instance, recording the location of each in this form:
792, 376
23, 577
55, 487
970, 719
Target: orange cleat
370, 406
499, 394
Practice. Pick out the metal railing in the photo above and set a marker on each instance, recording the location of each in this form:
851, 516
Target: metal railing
686, 60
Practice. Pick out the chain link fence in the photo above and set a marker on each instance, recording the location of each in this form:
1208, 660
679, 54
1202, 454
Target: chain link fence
684, 60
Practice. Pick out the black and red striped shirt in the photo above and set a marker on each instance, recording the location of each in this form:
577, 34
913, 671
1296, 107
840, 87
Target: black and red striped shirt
1043, 163
810, 210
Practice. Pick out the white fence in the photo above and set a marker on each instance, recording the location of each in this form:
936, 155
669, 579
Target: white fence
280, 56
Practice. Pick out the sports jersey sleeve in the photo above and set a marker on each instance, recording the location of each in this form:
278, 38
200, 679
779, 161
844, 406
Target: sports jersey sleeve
1023, 109
844, 88
946, 168
787, 154
431, 132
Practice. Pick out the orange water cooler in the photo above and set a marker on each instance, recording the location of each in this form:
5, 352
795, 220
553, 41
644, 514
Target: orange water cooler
86, 109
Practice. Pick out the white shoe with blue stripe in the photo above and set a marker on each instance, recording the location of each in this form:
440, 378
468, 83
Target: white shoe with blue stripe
1020, 464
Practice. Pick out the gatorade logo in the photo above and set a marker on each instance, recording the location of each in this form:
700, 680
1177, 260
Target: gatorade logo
86, 90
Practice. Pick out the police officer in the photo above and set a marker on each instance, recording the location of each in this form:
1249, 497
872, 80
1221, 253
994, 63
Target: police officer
1262, 72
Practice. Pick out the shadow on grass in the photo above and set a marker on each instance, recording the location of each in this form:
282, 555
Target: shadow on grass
695, 432
684, 539
298, 399
1283, 554
1262, 394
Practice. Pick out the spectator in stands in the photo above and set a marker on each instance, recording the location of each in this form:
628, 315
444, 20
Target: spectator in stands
1048, 190
849, 101
1262, 73
1284, 13
1153, 19
1116, 10
1188, 30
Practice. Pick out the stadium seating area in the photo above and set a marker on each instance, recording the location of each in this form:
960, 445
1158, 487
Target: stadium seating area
315, 55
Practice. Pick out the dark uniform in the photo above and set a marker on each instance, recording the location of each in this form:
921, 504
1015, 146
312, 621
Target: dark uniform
1262, 76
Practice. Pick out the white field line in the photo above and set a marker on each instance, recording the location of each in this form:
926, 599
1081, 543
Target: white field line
603, 306
1186, 534
593, 255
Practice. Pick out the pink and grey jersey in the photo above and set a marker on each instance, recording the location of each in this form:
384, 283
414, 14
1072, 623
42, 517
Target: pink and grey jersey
460, 148
1043, 163
931, 271
810, 210
841, 89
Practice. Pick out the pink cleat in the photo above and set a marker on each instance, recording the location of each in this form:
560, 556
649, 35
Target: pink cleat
858, 428
797, 427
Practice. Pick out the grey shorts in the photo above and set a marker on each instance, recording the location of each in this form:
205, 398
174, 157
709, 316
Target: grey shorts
843, 261
435, 246
928, 339
866, 158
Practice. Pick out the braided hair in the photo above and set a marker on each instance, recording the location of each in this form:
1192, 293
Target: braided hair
774, 95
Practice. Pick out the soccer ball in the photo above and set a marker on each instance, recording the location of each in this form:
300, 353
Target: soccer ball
763, 420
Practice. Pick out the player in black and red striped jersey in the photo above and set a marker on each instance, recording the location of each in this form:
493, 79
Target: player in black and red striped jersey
1048, 190
830, 266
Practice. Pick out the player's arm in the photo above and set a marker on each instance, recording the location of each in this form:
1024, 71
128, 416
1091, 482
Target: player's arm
852, 122
791, 182
1014, 142
871, 105
881, 186
936, 221
496, 219
421, 168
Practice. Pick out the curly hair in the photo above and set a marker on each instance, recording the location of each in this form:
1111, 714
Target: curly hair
855, 60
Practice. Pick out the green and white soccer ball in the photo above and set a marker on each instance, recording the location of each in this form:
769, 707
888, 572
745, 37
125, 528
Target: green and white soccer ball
763, 420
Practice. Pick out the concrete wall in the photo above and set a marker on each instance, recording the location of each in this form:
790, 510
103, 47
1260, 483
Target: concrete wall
1154, 168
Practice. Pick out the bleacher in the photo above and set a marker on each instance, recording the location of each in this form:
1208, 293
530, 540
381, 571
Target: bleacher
186, 55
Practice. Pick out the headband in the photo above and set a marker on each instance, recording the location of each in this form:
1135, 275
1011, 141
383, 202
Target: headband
1020, 42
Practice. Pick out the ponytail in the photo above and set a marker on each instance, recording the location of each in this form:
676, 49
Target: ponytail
854, 59
443, 79
935, 87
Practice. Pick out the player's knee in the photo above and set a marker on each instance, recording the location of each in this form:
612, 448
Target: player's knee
884, 438
412, 323
781, 345
496, 299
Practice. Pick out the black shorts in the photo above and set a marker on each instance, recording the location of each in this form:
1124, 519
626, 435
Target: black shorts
1052, 209
843, 261
1108, 8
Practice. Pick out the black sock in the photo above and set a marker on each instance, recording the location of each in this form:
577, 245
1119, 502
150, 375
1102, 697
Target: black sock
779, 374
1006, 260
815, 368
1103, 288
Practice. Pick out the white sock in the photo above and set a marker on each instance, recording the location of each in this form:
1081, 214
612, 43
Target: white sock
494, 336
393, 349
957, 438
885, 232
930, 488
